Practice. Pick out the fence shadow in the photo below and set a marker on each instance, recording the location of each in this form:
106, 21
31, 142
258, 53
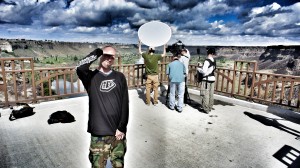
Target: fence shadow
195, 102
288, 156
290, 115
162, 92
273, 122
141, 93
219, 102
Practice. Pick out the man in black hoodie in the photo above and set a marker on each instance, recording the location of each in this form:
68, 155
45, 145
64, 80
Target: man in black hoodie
108, 107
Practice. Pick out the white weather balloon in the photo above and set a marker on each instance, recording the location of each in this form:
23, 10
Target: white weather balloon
154, 33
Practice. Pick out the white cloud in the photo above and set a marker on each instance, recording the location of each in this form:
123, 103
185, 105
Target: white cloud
234, 40
84, 29
5, 9
265, 9
127, 31
43, 1
222, 29
115, 19
209, 8
52, 29
275, 6
281, 23
124, 26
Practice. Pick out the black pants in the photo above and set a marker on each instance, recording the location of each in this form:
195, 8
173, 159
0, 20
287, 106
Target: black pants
186, 93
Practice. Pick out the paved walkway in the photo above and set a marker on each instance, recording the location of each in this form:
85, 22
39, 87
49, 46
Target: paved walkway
230, 136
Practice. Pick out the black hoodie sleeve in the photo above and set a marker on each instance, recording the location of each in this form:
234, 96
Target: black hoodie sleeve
125, 107
83, 67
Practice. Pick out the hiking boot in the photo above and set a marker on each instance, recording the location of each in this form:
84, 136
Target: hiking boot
205, 111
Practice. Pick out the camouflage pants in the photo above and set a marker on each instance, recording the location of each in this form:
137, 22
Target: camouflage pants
207, 96
103, 147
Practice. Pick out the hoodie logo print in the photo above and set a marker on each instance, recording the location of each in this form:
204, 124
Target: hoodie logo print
107, 85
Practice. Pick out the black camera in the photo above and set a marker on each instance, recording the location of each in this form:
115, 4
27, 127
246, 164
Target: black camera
176, 48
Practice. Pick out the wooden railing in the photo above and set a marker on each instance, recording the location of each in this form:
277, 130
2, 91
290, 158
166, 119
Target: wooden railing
22, 82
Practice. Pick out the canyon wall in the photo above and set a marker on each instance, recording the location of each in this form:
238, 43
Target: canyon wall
281, 59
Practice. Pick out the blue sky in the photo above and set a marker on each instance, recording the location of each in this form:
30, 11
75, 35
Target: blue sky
194, 22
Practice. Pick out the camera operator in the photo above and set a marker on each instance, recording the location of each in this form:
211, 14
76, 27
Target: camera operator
151, 68
185, 58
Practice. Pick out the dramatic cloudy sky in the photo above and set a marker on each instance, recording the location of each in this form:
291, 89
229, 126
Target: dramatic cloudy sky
195, 22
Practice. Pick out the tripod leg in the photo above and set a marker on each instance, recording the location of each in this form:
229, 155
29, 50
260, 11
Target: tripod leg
167, 96
186, 93
187, 99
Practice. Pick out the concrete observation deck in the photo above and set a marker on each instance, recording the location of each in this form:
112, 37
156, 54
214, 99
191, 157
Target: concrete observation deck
231, 136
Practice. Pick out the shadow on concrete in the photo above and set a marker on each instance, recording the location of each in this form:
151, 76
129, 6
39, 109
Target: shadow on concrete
154, 142
196, 98
141, 93
5, 154
195, 102
285, 113
219, 102
162, 92
288, 156
190, 101
273, 123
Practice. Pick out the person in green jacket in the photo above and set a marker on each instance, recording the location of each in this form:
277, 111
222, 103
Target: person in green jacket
151, 66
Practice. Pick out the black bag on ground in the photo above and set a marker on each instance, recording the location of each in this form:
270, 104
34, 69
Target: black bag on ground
61, 117
25, 111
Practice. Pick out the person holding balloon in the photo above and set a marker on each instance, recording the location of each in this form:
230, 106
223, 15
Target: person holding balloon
151, 68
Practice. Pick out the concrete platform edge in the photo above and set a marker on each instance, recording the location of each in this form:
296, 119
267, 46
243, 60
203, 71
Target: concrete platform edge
271, 109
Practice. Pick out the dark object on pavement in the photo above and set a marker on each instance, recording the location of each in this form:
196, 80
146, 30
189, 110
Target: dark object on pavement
61, 117
25, 111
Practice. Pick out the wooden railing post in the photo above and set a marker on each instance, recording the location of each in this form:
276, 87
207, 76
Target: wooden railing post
14, 79
4, 84
240, 77
298, 103
24, 79
253, 81
33, 80
233, 78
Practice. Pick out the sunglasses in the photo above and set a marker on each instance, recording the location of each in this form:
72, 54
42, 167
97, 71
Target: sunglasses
108, 56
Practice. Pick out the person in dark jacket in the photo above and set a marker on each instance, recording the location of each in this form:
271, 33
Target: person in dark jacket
108, 107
